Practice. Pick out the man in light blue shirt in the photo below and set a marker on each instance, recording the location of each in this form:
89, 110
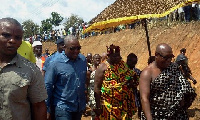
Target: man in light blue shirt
60, 48
65, 82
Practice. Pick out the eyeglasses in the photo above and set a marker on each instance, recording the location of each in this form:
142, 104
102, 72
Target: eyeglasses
167, 57
75, 48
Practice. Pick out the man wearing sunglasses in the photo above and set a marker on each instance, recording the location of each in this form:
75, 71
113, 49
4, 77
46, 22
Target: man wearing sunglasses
60, 48
65, 82
165, 93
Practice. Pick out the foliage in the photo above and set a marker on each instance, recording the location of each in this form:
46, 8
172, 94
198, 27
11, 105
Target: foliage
30, 28
56, 19
46, 25
73, 21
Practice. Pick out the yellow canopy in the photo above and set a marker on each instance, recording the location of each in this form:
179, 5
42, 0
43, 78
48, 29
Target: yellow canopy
128, 11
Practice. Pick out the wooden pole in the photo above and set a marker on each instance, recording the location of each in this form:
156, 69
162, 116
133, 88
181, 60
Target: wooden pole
147, 35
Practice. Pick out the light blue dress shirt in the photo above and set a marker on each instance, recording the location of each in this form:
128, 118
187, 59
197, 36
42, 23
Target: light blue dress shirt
50, 59
65, 83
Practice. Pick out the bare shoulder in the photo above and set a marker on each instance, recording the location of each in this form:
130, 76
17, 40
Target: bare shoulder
147, 73
148, 69
102, 67
99, 74
150, 72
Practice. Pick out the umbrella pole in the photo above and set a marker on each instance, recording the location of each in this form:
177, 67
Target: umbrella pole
147, 35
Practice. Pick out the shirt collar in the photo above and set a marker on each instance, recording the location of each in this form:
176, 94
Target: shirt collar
16, 61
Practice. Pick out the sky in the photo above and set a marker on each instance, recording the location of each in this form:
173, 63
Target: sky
38, 10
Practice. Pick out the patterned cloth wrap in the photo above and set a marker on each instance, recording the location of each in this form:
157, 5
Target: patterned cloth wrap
167, 93
118, 100
91, 101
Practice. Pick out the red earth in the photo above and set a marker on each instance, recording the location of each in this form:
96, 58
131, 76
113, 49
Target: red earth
177, 35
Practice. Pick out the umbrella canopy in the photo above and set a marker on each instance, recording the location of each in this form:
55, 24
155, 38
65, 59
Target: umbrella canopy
128, 11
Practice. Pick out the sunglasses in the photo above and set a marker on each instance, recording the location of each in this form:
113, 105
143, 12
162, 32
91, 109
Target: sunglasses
166, 57
75, 48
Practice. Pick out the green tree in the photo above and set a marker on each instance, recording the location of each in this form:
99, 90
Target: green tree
46, 25
73, 21
56, 19
30, 28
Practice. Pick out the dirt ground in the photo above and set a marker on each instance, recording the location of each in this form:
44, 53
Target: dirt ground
178, 35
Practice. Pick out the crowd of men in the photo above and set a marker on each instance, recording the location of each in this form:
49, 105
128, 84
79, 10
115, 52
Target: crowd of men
184, 14
57, 88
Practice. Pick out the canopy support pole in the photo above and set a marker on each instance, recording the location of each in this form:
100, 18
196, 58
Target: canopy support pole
147, 35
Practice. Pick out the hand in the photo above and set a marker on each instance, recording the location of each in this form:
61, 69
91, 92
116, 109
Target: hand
48, 116
194, 82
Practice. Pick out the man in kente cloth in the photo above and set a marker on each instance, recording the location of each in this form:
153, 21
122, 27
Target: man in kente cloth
114, 86
165, 93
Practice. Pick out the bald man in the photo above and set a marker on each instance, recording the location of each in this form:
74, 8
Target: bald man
165, 93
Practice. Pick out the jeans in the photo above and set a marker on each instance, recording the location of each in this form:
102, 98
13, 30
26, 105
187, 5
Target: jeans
61, 114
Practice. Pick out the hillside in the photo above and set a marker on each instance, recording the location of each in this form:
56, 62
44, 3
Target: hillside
134, 40
181, 35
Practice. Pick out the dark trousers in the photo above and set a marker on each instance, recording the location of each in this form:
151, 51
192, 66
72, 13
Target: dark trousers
187, 10
61, 114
